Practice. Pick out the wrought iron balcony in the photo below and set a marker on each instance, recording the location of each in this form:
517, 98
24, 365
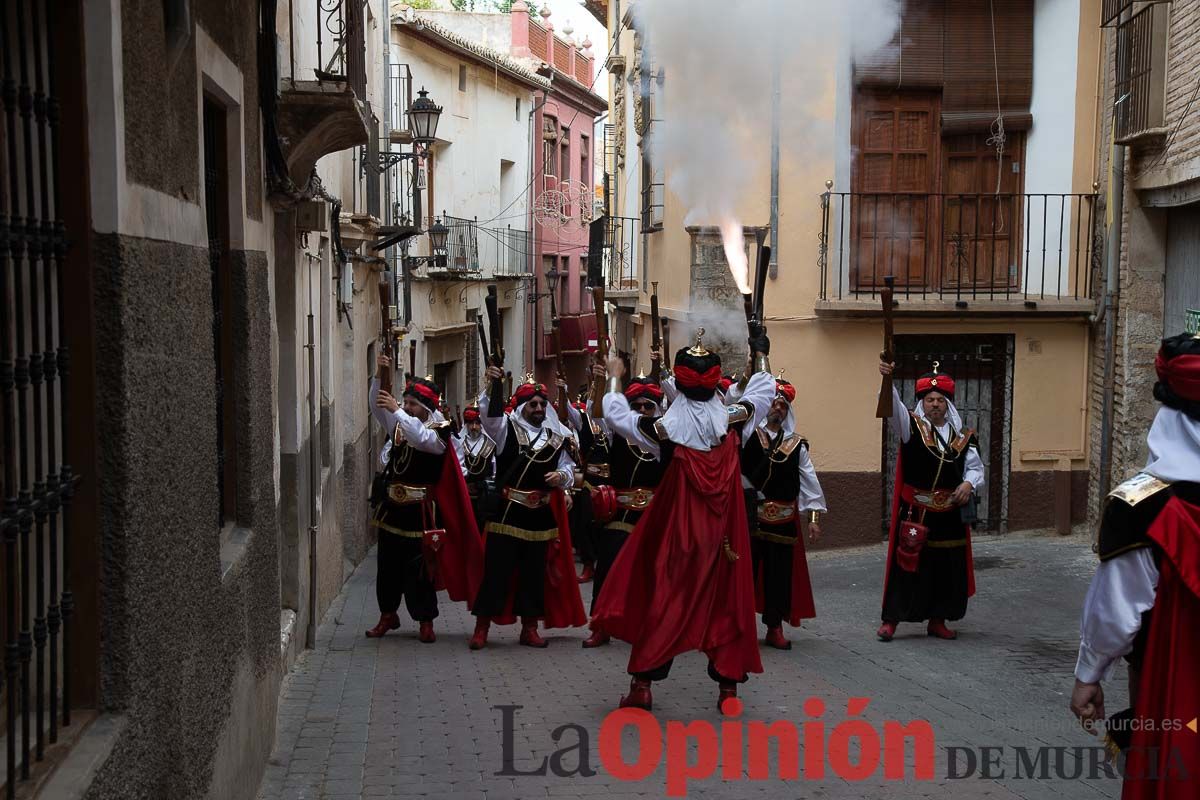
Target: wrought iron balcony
613, 256
950, 252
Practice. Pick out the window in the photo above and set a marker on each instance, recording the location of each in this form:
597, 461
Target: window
216, 202
653, 195
1141, 70
564, 147
585, 151
564, 285
462, 77
549, 146
517, 113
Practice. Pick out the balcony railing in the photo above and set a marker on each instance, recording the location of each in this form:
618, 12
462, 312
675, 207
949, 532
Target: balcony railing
341, 44
961, 247
400, 95
612, 253
472, 248
1115, 8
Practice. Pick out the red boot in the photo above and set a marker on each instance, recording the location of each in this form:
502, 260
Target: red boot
639, 695
727, 691
426, 634
529, 634
587, 573
479, 638
886, 631
776, 639
388, 621
937, 627
597, 639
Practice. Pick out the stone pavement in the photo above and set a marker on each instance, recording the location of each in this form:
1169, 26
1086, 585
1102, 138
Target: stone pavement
398, 719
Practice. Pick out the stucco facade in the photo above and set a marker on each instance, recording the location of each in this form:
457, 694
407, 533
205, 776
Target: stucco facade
816, 334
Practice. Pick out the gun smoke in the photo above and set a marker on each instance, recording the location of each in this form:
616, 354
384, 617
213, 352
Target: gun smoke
717, 60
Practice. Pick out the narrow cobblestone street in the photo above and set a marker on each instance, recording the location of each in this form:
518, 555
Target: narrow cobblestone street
398, 719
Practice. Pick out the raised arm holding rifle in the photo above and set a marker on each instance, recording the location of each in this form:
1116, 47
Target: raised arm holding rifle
529, 568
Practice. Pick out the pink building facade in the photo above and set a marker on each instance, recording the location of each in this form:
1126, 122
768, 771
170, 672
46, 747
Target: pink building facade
563, 191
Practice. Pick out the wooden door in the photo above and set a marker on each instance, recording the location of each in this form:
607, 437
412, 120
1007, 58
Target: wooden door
895, 170
982, 212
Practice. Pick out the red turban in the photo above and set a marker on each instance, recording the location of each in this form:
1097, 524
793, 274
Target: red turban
637, 389
527, 391
935, 382
1178, 368
786, 389
471, 415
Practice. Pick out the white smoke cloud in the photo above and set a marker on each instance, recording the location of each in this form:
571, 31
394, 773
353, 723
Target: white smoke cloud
713, 136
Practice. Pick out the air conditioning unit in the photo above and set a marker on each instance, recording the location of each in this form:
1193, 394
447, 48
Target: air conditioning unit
311, 216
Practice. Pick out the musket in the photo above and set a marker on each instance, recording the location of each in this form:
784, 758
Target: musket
556, 334
655, 334
412, 360
753, 305
883, 409
385, 319
496, 397
601, 350
666, 340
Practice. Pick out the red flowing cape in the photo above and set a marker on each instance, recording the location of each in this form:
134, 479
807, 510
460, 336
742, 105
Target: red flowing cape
802, 605
460, 561
672, 589
1168, 688
563, 603
893, 526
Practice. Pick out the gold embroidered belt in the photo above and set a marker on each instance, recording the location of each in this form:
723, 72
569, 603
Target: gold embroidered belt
773, 512
636, 499
404, 495
530, 499
598, 470
931, 499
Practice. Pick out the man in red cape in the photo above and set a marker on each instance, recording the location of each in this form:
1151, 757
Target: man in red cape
428, 539
529, 566
683, 581
929, 577
781, 489
1144, 601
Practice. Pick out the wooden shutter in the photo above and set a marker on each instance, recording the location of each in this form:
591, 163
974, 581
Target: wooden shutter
895, 170
974, 70
914, 57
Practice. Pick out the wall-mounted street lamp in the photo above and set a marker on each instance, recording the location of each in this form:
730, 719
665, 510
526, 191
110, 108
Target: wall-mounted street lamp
423, 116
438, 234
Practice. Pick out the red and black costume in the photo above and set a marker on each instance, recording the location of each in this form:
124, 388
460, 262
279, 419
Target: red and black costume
634, 476
683, 581
477, 458
931, 579
593, 454
426, 542
529, 568
1144, 601
781, 488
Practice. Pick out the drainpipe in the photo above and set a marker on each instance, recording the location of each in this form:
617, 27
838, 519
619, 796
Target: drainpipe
1112, 289
776, 103
310, 634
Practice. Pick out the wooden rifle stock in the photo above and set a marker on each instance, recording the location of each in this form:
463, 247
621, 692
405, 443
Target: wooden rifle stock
496, 398
412, 360
883, 409
655, 334
666, 339
601, 348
